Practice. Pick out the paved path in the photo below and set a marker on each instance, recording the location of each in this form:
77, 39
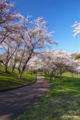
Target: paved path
15, 102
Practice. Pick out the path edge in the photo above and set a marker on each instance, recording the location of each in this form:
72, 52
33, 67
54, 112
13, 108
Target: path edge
5, 90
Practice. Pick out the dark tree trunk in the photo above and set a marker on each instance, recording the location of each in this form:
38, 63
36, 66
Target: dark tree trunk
54, 78
6, 68
72, 76
51, 76
19, 69
13, 68
60, 79
32, 72
6, 64
48, 74
20, 74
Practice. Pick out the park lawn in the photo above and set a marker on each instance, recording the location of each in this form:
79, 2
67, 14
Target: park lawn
9, 80
62, 102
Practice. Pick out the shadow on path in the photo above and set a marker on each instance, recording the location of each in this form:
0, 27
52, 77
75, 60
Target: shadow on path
15, 102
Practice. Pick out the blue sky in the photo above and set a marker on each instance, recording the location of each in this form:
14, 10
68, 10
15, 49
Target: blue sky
60, 16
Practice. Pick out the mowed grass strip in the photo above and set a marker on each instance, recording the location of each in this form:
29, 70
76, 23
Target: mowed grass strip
11, 80
62, 102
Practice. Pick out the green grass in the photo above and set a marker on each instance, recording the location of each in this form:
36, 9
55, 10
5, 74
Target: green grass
9, 80
62, 102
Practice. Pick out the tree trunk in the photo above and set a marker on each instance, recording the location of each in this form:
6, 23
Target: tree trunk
6, 68
48, 74
13, 68
23, 68
51, 76
54, 78
60, 79
72, 76
19, 70
32, 72
20, 75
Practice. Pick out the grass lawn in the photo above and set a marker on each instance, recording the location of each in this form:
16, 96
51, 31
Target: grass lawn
62, 102
9, 80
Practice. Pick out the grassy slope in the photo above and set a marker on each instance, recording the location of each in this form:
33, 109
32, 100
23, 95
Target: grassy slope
9, 80
62, 102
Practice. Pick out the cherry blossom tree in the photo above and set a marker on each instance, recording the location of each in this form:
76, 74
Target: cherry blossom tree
8, 14
14, 61
77, 29
33, 64
36, 38
65, 63
58, 62
10, 49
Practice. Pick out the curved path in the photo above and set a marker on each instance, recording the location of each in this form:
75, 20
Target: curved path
15, 102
